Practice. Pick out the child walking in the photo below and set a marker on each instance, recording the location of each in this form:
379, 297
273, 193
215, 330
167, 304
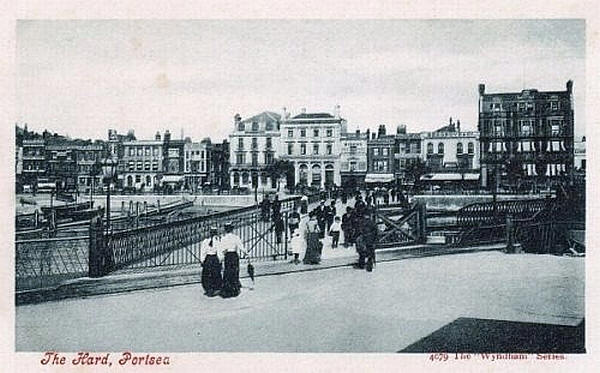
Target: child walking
334, 231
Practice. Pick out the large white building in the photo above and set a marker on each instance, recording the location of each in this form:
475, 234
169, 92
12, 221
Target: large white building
254, 144
451, 154
311, 141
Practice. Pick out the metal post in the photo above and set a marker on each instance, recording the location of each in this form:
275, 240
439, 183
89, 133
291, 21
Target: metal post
107, 206
285, 229
509, 234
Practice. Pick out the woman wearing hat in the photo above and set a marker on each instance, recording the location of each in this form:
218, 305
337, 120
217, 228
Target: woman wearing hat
232, 247
210, 257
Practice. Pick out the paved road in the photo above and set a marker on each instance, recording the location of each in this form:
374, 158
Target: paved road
336, 310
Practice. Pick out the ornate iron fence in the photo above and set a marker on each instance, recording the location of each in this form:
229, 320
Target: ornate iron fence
490, 213
177, 243
47, 262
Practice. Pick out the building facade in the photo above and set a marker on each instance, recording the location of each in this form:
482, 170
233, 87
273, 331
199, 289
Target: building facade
579, 156
381, 148
143, 160
311, 141
408, 153
254, 145
34, 162
219, 166
197, 162
531, 130
451, 155
353, 158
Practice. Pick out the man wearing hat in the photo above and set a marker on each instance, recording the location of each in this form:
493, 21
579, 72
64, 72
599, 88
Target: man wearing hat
321, 214
211, 258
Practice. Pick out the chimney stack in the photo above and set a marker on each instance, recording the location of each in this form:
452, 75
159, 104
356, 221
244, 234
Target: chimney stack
303, 110
157, 136
167, 136
336, 111
570, 86
458, 125
481, 89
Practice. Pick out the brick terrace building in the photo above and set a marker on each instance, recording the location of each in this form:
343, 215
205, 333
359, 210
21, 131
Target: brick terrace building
531, 129
197, 161
353, 158
380, 155
408, 152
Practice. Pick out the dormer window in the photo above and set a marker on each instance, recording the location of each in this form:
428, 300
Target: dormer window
241, 127
254, 126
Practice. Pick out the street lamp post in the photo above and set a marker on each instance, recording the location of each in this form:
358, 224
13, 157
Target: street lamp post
108, 169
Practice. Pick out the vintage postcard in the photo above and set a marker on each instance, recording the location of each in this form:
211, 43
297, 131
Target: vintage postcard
358, 192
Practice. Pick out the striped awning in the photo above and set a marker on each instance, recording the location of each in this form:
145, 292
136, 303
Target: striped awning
379, 178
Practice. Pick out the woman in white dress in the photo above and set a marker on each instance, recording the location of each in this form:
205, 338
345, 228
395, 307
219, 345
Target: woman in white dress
231, 246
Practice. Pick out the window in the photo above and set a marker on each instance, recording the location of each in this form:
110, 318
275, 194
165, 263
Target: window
329, 132
147, 165
240, 159
155, 151
254, 126
269, 143
241, 126
352, 165
290, 133
138, 178
554, 105
303, 149
441, 148
352, 149
380, 166
268, 158
471, 148
236, 178
140, 166
140, 151
147, 150
459, 148
155, 166
254, 159
269, 126
429, 148
303, 132
131, 151
329, 149
385, 151
290, 149
254, 143
498, 128
241, 144
496, 106
529, 106
525, 128
316, 149
131, 166
316, 132
555, 128
521, 106
376, 151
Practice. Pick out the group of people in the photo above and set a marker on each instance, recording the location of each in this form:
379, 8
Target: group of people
220, 258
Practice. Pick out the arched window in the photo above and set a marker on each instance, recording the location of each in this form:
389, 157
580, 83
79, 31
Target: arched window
236, 178
129, 180
241, 126
429, 148
244, 178
303, 173
471, 148
441, 148
459, 148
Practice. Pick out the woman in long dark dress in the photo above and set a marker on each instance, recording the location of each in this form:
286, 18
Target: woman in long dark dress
210, 257
313, 244
232, 247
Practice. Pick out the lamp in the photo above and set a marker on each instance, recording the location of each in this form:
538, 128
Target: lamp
109, 168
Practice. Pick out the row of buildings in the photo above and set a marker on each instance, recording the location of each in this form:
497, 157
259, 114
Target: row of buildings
522, 138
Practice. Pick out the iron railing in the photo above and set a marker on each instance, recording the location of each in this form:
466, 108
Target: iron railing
178, 243
42, 263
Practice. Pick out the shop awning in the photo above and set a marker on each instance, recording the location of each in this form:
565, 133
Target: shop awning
449, 177
172, 178
379, 178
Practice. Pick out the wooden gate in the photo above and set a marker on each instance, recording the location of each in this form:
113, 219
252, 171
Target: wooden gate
400, 225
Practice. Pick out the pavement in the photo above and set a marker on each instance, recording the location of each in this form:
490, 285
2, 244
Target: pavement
338, 309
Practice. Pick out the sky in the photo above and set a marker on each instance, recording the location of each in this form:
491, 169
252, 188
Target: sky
84, 77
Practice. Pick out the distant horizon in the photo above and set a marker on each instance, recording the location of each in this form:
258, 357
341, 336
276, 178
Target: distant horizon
85, 77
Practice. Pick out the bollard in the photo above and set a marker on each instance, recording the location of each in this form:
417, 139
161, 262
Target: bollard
131, 206
158, 205
509, 235
123, 207
145, 211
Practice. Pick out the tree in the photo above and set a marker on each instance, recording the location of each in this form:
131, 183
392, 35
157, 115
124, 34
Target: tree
279, 169
417, 169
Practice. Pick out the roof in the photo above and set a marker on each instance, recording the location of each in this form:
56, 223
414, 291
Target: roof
313, 116
265, 116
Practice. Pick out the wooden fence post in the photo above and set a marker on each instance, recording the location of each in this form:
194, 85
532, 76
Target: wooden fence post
95, 248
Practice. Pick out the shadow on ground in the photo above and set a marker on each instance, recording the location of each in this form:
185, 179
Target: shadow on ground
472, 335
